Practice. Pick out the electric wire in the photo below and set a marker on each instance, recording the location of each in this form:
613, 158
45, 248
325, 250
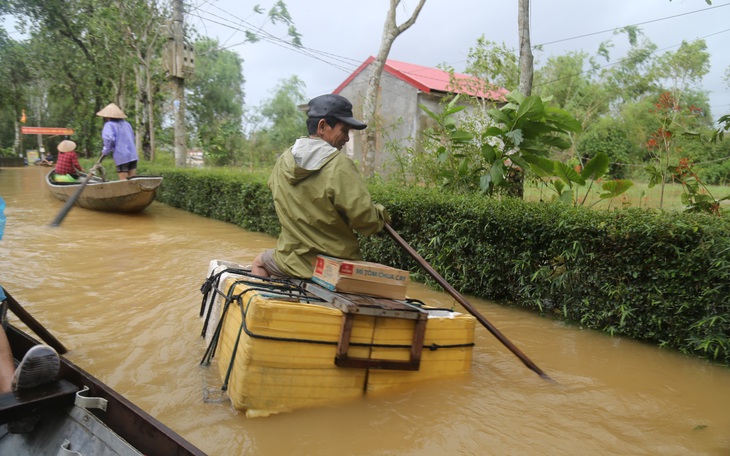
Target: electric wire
347, 65
623, 60
562, 40
260, 33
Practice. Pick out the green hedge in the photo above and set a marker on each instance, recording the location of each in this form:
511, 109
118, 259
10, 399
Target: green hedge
239, 198
661, 277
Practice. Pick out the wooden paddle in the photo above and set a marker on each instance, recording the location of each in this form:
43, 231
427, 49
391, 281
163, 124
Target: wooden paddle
71, 201
33, 324
458, 297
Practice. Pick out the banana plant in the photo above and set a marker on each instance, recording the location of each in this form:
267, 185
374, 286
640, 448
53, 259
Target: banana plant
528, 130
523, 134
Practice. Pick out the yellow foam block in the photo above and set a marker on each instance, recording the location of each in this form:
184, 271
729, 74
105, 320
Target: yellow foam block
286, 360
436, 362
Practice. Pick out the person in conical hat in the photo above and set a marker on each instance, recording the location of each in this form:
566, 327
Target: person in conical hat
118, 138
68, 161
111, 111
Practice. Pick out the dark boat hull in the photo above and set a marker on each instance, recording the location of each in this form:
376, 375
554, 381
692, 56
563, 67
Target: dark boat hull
123, 428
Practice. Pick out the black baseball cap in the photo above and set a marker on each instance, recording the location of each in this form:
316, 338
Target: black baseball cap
336, 106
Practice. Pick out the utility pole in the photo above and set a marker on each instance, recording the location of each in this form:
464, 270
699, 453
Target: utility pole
179, 64
39, 121
179, 83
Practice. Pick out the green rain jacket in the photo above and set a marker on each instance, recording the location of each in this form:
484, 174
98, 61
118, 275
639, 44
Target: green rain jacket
320, 199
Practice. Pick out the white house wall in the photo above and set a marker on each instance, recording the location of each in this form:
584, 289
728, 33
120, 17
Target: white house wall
402, 119
398, 109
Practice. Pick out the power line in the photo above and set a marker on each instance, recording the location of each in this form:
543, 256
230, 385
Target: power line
632, 25
347, 65
624, 60
259, 32
266, 36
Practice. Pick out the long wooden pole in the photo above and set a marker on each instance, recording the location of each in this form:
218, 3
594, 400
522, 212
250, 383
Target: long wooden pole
71, 201
33, 324
461, 300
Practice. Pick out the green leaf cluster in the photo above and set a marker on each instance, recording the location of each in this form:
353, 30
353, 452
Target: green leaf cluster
614, 100
522, 136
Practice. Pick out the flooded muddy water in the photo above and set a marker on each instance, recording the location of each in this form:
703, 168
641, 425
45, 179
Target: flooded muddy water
123, 293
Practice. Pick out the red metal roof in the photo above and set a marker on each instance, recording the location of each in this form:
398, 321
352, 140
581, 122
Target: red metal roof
429, 79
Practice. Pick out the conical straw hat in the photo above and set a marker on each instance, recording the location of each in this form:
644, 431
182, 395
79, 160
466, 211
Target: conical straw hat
66, 146
111, 111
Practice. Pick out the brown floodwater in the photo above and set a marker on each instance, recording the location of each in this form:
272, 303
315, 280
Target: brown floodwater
123, 293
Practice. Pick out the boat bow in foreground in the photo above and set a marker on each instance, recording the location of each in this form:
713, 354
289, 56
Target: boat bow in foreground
81, 415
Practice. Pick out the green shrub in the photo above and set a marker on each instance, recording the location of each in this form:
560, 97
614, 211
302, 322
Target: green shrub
661, 277
239, 198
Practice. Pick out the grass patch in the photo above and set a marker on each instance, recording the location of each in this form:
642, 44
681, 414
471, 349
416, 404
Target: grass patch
639, 196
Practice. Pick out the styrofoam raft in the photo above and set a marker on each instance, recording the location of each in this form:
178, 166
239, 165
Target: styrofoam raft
287, 359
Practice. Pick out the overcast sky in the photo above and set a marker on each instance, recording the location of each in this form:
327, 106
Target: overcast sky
338, 35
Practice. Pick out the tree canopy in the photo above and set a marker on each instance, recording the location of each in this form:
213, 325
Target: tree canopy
601, 91
76, 56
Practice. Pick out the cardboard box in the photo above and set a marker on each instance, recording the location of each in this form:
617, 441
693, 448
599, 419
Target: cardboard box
362, 277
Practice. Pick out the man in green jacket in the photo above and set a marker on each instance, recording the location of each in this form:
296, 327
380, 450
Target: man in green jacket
319, 195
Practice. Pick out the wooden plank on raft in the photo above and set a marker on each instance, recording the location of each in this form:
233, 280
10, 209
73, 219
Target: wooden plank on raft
352, 304
367, 305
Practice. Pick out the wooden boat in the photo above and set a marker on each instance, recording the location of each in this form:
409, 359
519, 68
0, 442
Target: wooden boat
131, 195
81, 415
281, 345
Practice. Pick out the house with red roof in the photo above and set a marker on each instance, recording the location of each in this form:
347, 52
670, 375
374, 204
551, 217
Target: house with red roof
403, 87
